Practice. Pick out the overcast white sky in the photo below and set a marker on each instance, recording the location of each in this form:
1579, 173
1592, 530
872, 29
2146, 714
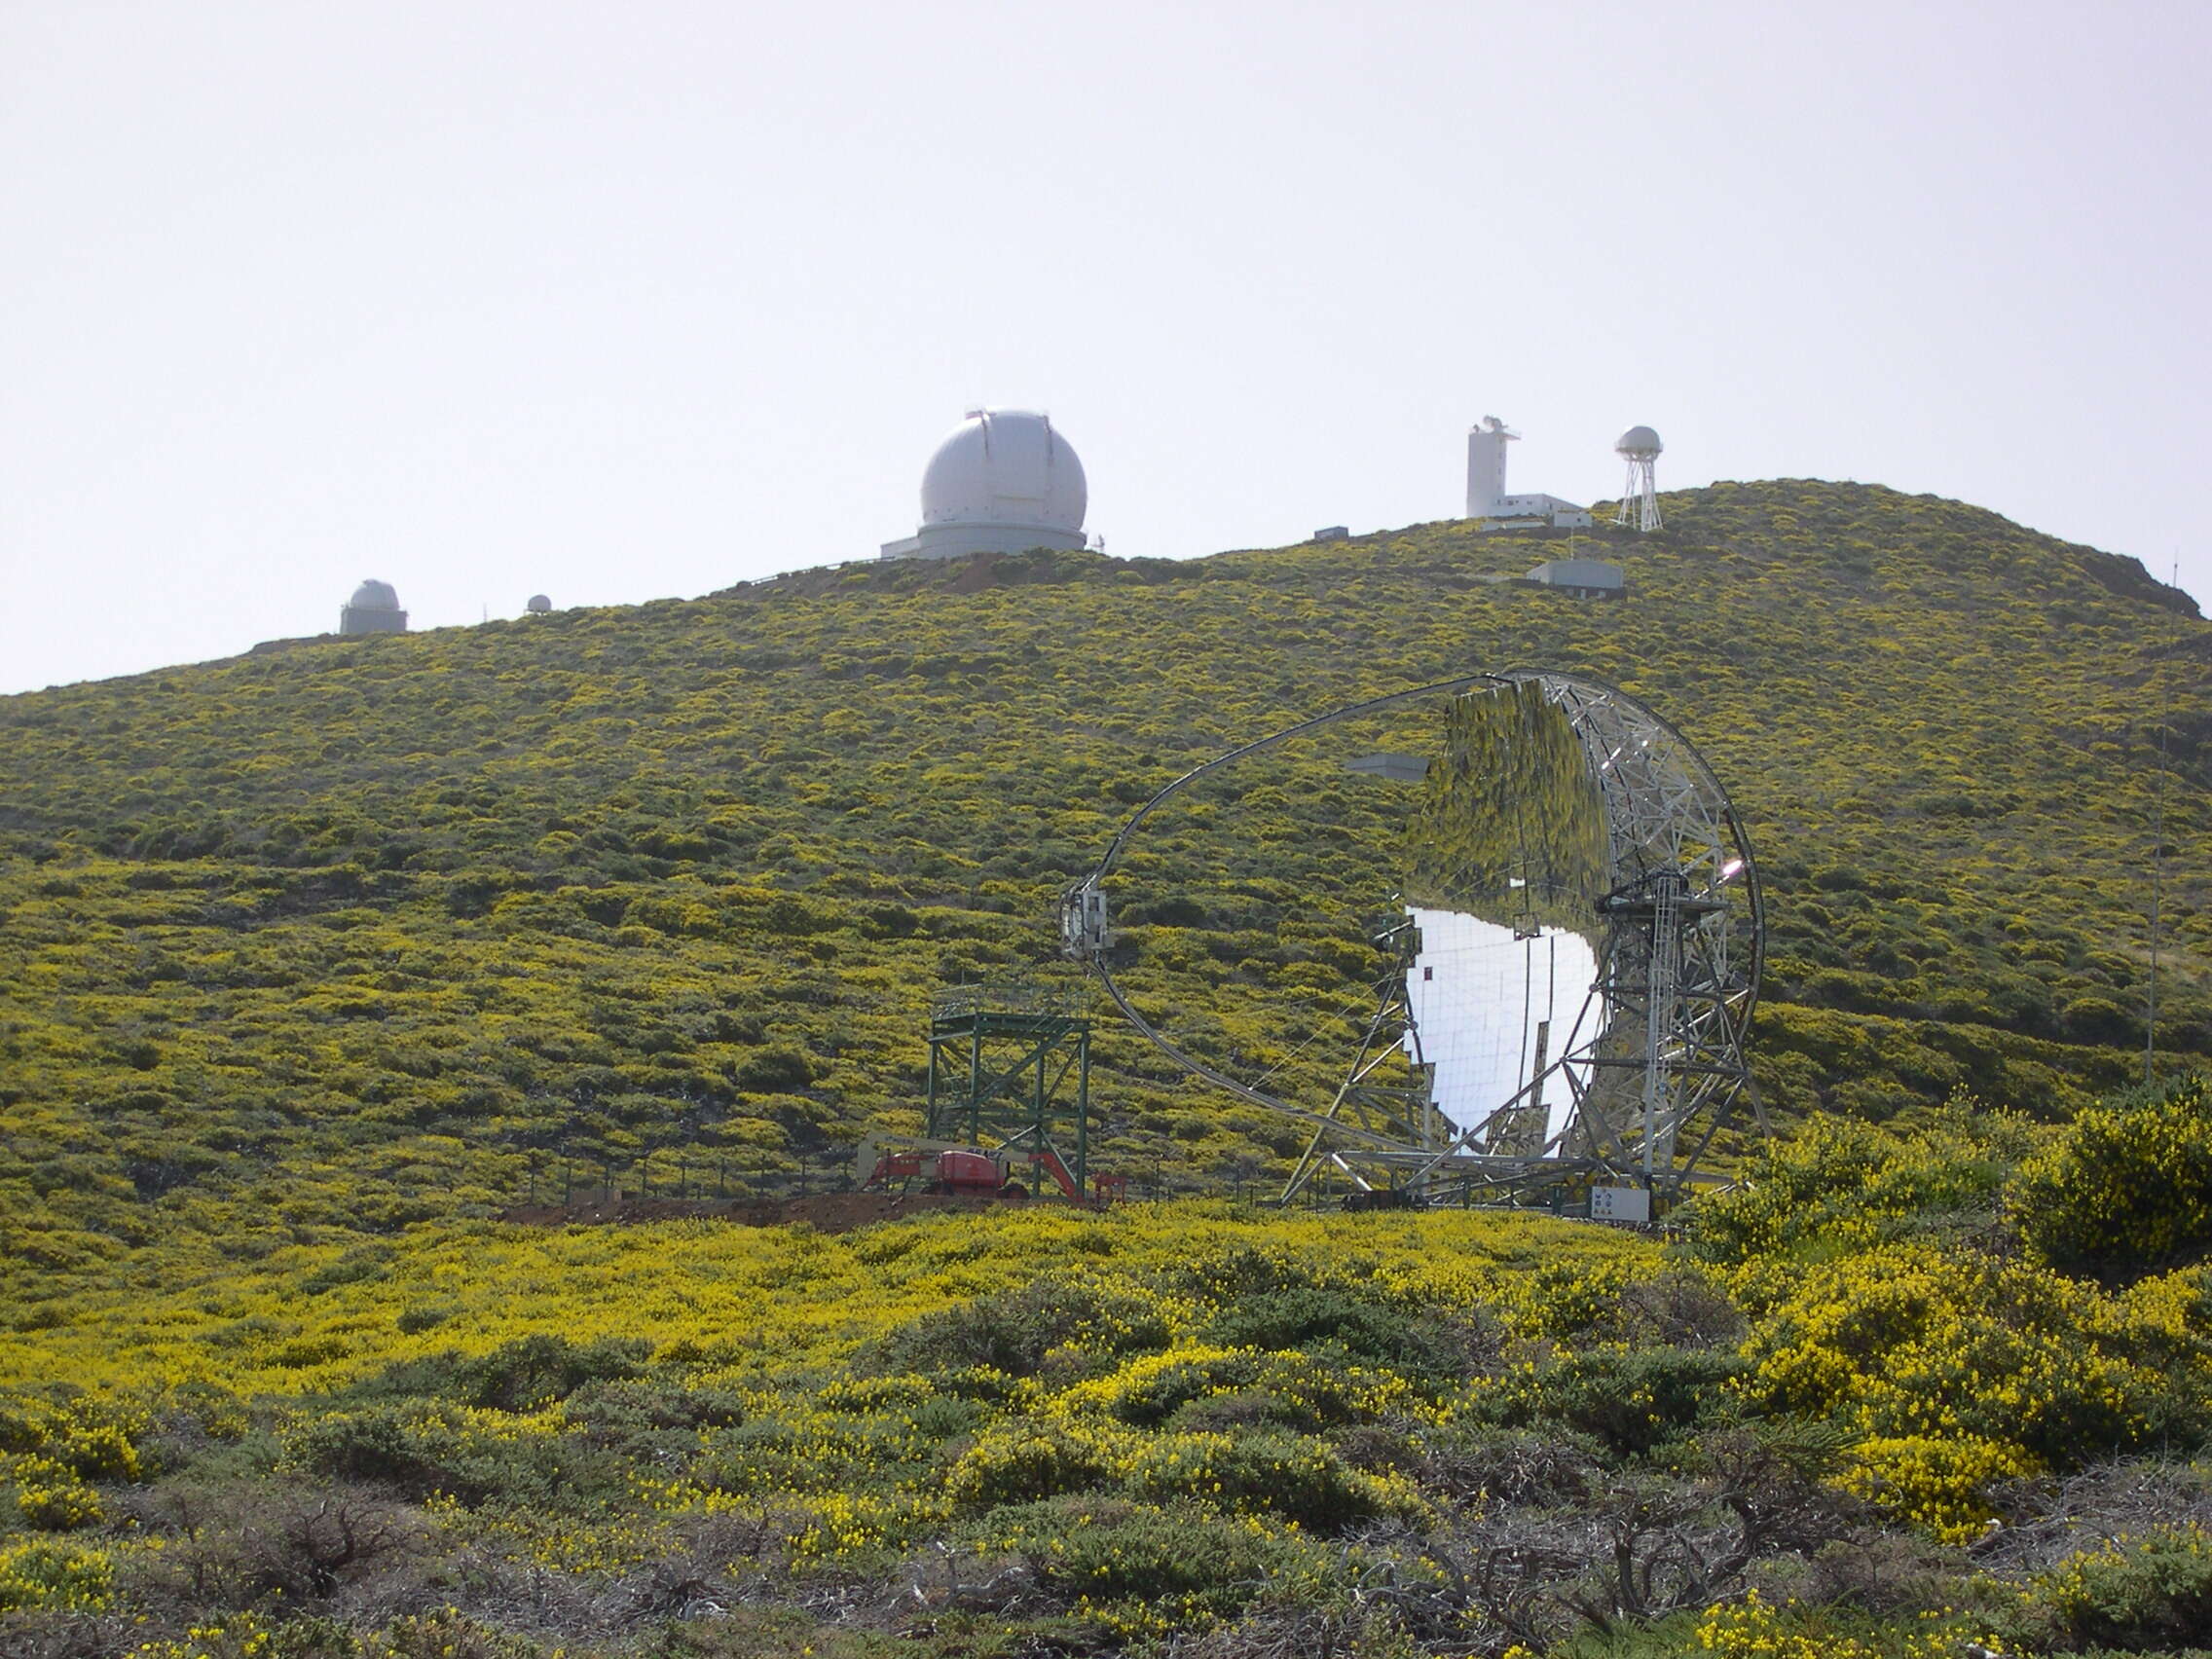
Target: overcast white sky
619, 302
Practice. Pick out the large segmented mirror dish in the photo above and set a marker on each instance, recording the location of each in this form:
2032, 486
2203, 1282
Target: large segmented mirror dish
1487, 936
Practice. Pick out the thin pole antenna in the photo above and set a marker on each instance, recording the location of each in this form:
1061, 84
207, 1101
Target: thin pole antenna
2158, 867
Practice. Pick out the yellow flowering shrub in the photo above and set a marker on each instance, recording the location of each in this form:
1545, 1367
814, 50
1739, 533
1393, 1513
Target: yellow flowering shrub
43, 1574
241, 1636
1935, 1483
1836, 1184
2128, 1183
1025, 1460
93, 1434
1959, 1370
53, 1496
1910, 1339
1754, 1628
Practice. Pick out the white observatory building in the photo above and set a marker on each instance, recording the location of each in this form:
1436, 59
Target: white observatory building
374, 609
1487, 499
1004, 482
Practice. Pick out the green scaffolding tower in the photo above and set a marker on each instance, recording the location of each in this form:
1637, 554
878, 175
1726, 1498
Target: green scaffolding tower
1002, 1060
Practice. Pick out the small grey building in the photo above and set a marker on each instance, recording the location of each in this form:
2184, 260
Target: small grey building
1585, 578
374, 609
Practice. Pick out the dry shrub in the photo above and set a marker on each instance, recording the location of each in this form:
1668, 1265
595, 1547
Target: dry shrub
236, 1545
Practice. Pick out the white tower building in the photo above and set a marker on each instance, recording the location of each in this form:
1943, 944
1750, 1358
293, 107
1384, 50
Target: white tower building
1485, 467
1487, 499
1639, 446
1004, 482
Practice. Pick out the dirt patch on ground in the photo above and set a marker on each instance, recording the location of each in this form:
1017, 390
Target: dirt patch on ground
828, 1212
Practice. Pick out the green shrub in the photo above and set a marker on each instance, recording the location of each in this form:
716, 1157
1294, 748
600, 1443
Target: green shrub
1629, 1402
424, 1448
1023, 1461
525, 1374
612, 1409
2149, 1591
1264, 1470
1188, 1567
1328, 1322
1014, 1333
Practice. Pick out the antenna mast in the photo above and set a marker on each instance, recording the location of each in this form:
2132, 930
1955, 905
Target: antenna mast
2158, 867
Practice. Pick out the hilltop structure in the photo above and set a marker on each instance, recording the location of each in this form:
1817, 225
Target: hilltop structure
1639, 446
374, 609
1004, 482
1487, 499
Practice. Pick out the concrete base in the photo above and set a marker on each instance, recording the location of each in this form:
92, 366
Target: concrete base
952, 541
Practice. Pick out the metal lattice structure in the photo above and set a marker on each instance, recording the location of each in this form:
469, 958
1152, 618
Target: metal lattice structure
1008, 1068
1654, 1067
1641, 448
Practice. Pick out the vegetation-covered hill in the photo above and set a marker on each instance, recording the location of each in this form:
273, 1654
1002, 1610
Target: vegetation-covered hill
312, 961
369, 929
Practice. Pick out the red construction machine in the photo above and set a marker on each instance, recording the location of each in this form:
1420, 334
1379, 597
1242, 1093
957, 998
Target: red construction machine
974, 1171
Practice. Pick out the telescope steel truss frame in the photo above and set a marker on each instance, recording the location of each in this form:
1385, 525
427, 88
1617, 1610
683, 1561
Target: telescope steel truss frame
1655, 1063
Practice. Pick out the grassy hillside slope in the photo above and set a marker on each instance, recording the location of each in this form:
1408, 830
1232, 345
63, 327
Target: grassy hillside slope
356, 932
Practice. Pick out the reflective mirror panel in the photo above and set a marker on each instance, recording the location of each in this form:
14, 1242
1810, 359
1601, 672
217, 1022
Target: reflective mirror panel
1391, 919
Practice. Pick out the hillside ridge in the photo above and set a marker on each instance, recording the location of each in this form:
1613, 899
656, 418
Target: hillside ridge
377, 928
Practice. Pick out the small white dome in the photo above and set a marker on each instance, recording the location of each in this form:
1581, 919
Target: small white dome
373, 595
537, 603
1638, 440
1005, 466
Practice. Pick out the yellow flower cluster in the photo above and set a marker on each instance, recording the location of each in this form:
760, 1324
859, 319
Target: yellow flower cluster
2128, 1181
241, 1636
53, 1496
43, 1573
1959, 1369
1936, 1484
62, 1443
1755, 1628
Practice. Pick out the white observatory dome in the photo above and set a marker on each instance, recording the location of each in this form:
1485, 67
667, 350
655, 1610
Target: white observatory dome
539, 604
373, 595
1638, 440
374, 609
1005, 466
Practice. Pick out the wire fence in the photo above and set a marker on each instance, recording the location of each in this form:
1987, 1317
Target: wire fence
590, 1180
680, 1176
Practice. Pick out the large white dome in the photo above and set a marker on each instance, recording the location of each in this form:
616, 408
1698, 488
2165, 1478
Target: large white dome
1005, 466
373, 595
1639, 441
